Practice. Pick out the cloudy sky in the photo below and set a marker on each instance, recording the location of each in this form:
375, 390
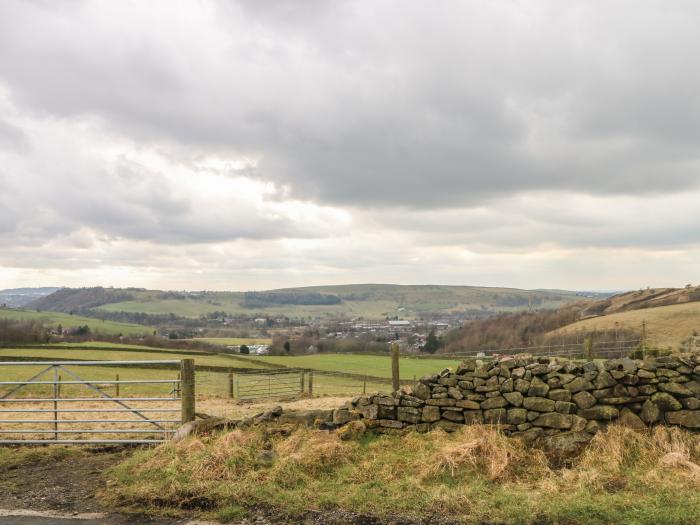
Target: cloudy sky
246, 145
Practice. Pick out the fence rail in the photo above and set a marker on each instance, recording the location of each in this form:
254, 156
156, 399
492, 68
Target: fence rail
159, 426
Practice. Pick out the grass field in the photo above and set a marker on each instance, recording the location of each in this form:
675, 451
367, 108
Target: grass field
73, 321
666, 326
372, 365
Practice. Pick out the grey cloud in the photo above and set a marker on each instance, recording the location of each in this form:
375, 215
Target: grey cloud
352, 103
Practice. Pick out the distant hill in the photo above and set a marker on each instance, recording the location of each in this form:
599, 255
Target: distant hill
641, 299
19, 297
357, 300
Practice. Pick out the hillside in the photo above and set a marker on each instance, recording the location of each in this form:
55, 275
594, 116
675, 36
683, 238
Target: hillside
667, 326
641, 299
360, 300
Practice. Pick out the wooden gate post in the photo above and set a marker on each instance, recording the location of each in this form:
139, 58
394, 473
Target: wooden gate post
311, 382
395, 383
187, 378
230, 385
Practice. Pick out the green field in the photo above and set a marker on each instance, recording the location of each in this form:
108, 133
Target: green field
73, 321
372, 365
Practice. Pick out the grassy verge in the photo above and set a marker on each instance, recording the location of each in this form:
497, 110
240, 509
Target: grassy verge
473, 476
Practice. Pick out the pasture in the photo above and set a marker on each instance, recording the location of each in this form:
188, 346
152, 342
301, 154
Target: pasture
74, 321
372, 365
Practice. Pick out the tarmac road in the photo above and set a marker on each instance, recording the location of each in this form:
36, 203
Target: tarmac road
29, 517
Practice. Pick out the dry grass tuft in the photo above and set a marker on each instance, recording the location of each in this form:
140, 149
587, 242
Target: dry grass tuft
486, 451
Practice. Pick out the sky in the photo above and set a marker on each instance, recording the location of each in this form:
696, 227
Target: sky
239, 145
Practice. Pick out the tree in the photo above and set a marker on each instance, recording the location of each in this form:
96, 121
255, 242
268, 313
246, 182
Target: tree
245, 349
287, 347
431, 343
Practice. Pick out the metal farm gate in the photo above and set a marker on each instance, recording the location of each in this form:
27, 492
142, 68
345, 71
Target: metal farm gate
270, 383
63, 408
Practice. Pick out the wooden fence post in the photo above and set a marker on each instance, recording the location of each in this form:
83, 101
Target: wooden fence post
117, 385
311, 382
187, 389
230, 385
588, 347
395, 382
301, 382
364, 385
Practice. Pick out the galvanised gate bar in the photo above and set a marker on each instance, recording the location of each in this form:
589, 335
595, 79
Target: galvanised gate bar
142, 419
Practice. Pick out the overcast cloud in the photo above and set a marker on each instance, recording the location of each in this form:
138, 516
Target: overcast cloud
238, 145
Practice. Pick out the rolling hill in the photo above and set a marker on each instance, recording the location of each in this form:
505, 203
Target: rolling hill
359, 300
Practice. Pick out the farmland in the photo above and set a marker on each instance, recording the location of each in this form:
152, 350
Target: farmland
373, 365
74, 321
234, 341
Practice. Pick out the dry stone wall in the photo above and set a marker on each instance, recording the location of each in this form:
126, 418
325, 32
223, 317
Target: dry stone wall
538, 397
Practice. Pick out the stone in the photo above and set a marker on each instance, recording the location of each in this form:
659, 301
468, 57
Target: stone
368, 411
495, 416
466, 403
538, 388
561, 394
314, 417
516, 416
584, 399
601, 412
447, 426
352, 431
578, 423
666, 402
390, 423
342, 416
446, 402
408, 414
522, 385
554, 420
694, 386
579, 384
430, 414
455, 393
473, 417
448, 381
676, 389
691, 403
539, 404
624, 364
631, 420
494, 402
518, 373
421, 390
684, 418
604, 380
514, 398
565, 407
647, 390
386, 412
566, 445
651, 413
507, 385
451, 415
